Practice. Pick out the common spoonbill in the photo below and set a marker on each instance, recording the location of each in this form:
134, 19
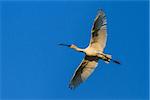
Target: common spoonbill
93, 52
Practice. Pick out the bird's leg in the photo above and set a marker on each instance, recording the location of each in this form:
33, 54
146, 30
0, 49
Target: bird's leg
103, 56
107, 58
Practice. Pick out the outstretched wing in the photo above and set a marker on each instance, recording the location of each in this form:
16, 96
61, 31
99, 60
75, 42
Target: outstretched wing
84, 70
99, 32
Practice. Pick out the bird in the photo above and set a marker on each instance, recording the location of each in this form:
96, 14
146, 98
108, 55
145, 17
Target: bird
93, 52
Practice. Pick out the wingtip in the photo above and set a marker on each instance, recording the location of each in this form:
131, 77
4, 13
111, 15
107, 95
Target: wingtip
101, 12
71, 86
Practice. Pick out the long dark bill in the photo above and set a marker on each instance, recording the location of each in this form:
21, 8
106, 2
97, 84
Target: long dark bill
64, 45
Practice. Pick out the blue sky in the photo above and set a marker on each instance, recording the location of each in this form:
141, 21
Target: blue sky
35, 67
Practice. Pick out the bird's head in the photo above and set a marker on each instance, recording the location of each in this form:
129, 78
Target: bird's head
72, 46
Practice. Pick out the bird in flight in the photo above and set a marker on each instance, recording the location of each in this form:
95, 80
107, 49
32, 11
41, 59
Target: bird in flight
93, 52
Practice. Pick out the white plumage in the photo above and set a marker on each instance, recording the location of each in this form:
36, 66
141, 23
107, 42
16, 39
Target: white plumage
93, 52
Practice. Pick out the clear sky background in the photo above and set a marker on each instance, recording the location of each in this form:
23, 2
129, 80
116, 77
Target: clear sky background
35, 67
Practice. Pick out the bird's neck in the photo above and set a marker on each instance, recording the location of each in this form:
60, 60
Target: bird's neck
78, 49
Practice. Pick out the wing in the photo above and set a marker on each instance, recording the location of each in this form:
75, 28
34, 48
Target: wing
99, 32
84, 70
